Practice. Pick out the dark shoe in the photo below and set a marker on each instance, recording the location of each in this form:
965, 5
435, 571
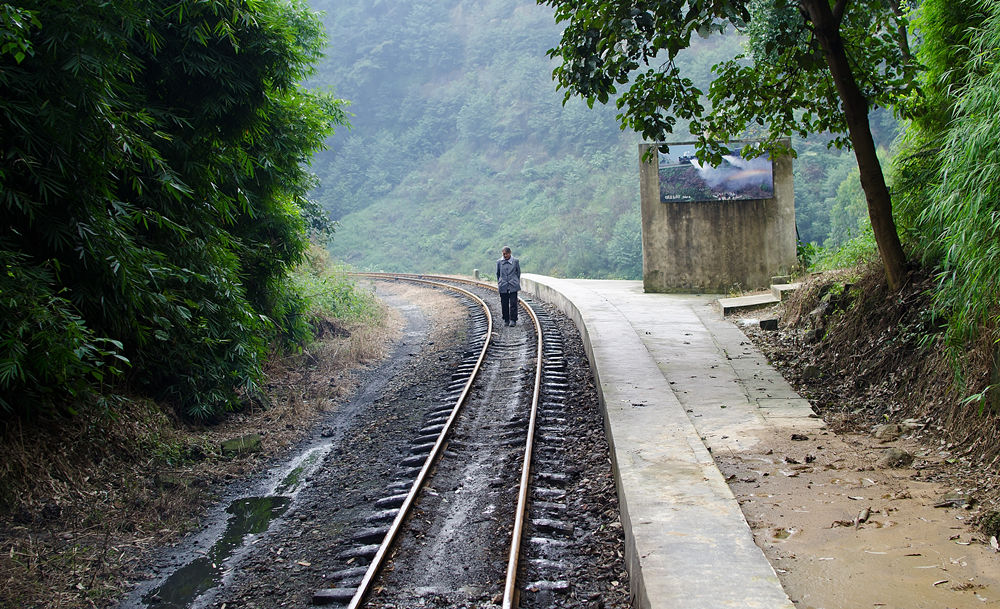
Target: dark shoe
513, 323
506, 323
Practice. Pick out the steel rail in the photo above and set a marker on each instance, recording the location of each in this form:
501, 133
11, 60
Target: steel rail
390, 536
510, 595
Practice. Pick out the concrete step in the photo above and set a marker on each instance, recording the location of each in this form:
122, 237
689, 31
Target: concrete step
780, 290
746, 303
776, 294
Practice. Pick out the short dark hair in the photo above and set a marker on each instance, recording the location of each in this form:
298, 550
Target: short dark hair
505, 249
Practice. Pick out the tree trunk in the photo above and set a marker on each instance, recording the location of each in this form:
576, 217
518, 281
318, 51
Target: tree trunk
826, 27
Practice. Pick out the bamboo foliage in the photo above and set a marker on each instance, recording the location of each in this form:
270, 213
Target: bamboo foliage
153, 188
966, 207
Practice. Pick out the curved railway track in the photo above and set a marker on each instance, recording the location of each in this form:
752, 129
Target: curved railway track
504, 472
548, 364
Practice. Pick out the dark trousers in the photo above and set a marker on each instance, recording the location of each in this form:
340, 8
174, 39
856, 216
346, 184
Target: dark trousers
508, 305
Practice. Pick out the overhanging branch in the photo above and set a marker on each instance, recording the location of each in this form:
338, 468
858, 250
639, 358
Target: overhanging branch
838, 11
902, 36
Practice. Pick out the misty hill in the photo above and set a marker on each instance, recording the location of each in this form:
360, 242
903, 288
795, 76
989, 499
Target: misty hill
461, 144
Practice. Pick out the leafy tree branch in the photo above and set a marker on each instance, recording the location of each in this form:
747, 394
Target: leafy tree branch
832, 66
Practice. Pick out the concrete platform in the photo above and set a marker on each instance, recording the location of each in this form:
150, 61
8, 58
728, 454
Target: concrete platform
672, 374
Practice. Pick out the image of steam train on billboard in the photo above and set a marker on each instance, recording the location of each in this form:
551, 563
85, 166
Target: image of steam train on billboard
684, 179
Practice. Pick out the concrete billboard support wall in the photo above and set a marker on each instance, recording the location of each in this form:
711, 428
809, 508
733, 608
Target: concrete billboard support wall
716, 246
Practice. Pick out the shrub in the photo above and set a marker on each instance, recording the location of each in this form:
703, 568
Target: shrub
329, 291
153, 185
853, 252
47, 351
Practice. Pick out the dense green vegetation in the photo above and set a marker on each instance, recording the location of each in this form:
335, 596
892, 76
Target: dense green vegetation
154, 197
460, 143
946, 172
155, 179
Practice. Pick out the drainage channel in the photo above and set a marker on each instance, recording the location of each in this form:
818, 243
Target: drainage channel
248, 516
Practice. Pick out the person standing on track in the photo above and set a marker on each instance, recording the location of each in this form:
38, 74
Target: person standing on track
509, 283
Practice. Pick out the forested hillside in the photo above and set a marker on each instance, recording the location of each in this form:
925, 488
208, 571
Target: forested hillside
460, 144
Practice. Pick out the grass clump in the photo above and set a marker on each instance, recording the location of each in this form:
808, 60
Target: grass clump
330, 292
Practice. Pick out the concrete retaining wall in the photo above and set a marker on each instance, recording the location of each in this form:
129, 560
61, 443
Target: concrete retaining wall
716, 246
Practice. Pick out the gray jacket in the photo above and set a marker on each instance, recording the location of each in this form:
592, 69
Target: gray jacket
509, 275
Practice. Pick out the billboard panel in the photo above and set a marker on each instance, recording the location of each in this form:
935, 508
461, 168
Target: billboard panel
684, 179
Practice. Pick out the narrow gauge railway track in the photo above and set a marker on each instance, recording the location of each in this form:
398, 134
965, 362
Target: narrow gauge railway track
515, 422
542, 545
373, 542
335, 490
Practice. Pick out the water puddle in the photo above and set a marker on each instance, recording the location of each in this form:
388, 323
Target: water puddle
249, 515
300, 470
781, 533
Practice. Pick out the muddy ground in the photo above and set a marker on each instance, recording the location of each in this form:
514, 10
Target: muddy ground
842, 522
841, 530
